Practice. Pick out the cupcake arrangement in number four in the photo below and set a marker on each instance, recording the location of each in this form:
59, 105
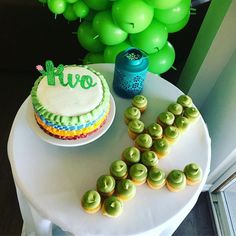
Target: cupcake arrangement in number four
139, 163
105, 27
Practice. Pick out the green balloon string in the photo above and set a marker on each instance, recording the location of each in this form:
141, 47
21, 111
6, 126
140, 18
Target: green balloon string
174, 68
193, 13
74, 33
193, 9
55, 17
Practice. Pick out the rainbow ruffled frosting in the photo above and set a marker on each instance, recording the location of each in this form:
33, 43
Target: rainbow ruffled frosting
71, 112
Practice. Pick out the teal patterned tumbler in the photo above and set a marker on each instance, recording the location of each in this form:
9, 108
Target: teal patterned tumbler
130, 72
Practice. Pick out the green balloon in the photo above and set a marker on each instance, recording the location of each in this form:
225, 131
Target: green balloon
152, 39
173, 15
57, 6
109, 33
87, 38
71, 1
162, 61
111, 52
133, 16
69, 13
93, 58
172, 28
98, 5
81, 9
163, 4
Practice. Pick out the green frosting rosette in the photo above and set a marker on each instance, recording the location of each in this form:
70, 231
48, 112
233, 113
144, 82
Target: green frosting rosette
166, 118
118, 169
91, 201
136, 126
138, 173
175, 108
125, 189
181, 123
176, 180
140, 102
156, 177
193, 173
106, 185
143, 141
171, 133
155, 130
131, 155
161, 147
191, 113
112, 207
185, 100
149, 158
132, 113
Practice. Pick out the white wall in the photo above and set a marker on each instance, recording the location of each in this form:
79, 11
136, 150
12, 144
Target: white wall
219, 112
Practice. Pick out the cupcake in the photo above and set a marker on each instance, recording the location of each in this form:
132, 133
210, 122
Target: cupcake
175, 108
156, 178
140, 102
155, 131
91, 201
131, 155
185, 101
112, 207
171, 133
181, 123
131, 113
135, 127
118, 169
176, 181
165, 118
106, 185
143, 142
193, 173
161, 147
138, 173
149, 159
191, 113
125, 189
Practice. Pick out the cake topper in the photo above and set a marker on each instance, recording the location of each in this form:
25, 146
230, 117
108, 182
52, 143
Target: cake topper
86, 81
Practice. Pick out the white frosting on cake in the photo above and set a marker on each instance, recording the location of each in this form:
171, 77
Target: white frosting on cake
67, 101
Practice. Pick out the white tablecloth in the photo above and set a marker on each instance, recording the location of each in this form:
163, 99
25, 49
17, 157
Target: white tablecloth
51, 179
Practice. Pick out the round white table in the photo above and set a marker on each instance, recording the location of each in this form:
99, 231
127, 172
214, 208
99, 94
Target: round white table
50, 179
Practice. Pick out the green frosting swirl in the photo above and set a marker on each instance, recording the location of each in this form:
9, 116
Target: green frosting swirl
171, 132
136, 126
191, 112
118, 169
71, 120
113, 206
126, 188
131, 155
138, 171
193, 172
161, 145
155, 130
177, 179
149, 158
185, 100
91, 199
144, 140
105, 184
139, 101
181, 123
156, 175
132, 113
167, 118
175, 108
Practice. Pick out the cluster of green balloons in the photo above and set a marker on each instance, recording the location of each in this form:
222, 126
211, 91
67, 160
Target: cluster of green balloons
107, 27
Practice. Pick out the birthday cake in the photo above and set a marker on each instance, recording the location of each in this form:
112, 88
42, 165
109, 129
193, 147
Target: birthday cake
70, 102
